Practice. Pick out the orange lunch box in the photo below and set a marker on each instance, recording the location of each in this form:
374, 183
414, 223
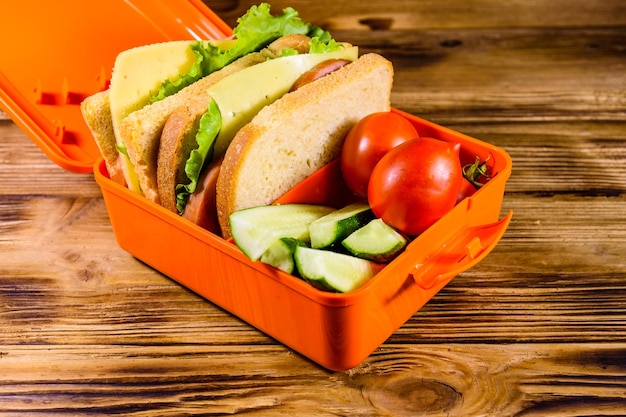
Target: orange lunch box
62, 53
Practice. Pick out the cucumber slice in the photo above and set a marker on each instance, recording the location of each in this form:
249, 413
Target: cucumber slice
333, 271
376, 241
280, 254
337, 225
255, 229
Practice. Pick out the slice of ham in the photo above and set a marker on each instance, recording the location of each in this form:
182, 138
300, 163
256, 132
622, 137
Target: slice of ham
200, 208
320, 70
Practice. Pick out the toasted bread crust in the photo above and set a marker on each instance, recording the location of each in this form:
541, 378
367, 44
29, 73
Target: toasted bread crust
177, 141
298, 134
97, 114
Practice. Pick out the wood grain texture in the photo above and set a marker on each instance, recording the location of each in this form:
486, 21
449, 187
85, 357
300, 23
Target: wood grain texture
538, 328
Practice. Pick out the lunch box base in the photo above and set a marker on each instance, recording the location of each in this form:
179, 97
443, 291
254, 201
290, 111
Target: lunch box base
337, 331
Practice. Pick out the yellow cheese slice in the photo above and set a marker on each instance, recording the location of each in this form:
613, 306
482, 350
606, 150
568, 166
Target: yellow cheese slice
242, 95
137, 75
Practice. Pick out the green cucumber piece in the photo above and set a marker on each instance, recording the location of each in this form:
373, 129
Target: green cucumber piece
376, 241
337, 225
255, 229
280, 254
333, 271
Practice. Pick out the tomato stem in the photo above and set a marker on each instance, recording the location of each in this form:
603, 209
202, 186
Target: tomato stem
477, 173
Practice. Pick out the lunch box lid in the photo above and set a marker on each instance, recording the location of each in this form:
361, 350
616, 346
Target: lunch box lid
54, 54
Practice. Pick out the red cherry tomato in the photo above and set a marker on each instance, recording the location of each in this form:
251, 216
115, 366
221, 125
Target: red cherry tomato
367, 142
467, 190
415, 184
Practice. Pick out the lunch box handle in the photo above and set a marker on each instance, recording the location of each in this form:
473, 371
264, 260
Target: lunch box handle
466, 250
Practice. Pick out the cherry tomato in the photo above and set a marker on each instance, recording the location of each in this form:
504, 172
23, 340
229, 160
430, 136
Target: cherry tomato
467, 190
415, 184
367, 142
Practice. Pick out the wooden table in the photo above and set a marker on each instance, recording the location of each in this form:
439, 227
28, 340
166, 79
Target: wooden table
538, 328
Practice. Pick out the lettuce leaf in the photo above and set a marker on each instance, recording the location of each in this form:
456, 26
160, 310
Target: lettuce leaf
321, 45
210, 125
121, 148
254, 30
197, 71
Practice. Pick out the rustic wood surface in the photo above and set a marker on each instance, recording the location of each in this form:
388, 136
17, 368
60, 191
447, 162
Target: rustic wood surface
536, 329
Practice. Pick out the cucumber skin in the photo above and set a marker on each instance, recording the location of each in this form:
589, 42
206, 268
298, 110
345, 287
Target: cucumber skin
343, 228
325, 275
280, 254
385, 233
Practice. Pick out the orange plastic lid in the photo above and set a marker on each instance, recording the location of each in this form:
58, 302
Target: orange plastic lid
54, 54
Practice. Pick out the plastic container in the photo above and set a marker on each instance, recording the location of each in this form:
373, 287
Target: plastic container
338, 331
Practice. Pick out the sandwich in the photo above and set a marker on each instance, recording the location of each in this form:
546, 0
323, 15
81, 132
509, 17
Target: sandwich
299, 134
150, 81
201, 130
240, 134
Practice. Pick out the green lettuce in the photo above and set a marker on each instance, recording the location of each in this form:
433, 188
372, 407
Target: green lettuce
254, 30
323, 44
121, 148
210, 125
197, 71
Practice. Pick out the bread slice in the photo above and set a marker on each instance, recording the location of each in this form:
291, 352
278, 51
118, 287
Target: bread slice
97, 114
298, 134
177, 137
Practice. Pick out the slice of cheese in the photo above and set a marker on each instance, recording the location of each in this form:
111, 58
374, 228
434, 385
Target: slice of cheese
137, 75
242, 95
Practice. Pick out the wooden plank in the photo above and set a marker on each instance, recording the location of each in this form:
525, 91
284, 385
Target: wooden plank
536, 328
447, 379
424, 14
